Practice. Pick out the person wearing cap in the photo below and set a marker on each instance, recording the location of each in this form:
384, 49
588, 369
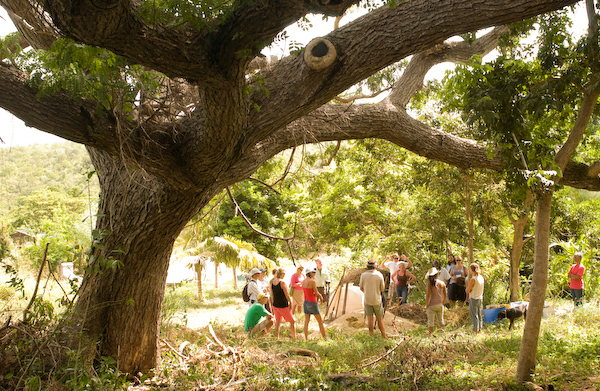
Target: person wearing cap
311, 306
253, 287
296, 289
434, 299
258, 319
372, 285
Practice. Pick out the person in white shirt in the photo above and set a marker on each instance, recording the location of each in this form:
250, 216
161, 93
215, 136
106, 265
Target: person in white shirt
475, 293
372, 285
321, 278
253, 286
391, 262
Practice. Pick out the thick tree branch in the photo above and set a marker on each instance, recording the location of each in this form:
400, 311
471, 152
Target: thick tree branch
31, 21
295, 89
563, 156
412, 78
384, 121
259, 23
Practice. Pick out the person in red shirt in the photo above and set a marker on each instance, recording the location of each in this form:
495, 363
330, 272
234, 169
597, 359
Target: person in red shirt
576, 279
311, 306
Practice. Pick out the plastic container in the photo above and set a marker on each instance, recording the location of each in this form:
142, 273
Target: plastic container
516, 303
491, 315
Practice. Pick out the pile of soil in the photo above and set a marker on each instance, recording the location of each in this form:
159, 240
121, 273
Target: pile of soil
414, 312
457, 315
355, 321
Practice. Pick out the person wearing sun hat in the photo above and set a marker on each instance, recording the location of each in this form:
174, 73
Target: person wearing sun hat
434, 300
253, 286
258, 319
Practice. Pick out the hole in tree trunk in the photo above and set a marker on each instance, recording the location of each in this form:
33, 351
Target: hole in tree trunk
320, 49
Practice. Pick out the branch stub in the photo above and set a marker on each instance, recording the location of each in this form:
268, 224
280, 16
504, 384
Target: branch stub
319, 54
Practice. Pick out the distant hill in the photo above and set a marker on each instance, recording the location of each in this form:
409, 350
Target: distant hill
62, 166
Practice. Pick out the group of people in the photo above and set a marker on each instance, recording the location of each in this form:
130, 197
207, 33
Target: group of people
454, 284
464, 285
305, 291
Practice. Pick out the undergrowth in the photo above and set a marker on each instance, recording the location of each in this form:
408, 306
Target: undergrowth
221, 357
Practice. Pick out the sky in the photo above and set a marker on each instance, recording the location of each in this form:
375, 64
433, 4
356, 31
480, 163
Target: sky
13, 131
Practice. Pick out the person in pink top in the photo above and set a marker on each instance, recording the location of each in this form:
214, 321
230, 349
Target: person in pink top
576, 279
311, 306
434, 300
296, 286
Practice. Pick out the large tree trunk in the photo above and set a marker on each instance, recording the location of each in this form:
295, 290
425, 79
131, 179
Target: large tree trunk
121, 306
469, 216
537, 295
199, 266
515, 256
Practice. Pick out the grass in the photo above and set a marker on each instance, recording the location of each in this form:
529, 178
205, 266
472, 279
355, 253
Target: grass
452, 359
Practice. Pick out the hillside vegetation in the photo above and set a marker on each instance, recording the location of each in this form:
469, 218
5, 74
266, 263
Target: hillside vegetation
24, 170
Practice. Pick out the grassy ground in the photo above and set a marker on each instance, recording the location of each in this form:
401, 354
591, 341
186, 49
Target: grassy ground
196, 358
451, 359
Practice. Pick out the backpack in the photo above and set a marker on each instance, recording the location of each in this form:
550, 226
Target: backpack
245, 294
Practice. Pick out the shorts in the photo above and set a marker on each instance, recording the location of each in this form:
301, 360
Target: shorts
371, 310
311, 308
260, 326
435, 315
283, 313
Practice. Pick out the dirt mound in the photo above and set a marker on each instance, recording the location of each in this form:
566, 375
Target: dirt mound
355, 321
414, 312
457, 315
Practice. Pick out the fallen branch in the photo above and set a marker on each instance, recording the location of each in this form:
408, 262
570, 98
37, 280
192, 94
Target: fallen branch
174, 350
383, 356
226, 349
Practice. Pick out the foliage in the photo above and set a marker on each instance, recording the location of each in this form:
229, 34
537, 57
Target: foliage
235, 253
90, 72
62, 169
5, 243
267, 210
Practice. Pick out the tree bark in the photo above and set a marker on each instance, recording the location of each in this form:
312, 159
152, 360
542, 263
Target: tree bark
121, 307
469, 216
515, 256
518, 243
537, 294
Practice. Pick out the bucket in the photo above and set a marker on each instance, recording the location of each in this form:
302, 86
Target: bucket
491, 315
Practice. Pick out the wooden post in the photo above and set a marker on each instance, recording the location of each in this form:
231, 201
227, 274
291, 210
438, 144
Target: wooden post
345, 298
339, 296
